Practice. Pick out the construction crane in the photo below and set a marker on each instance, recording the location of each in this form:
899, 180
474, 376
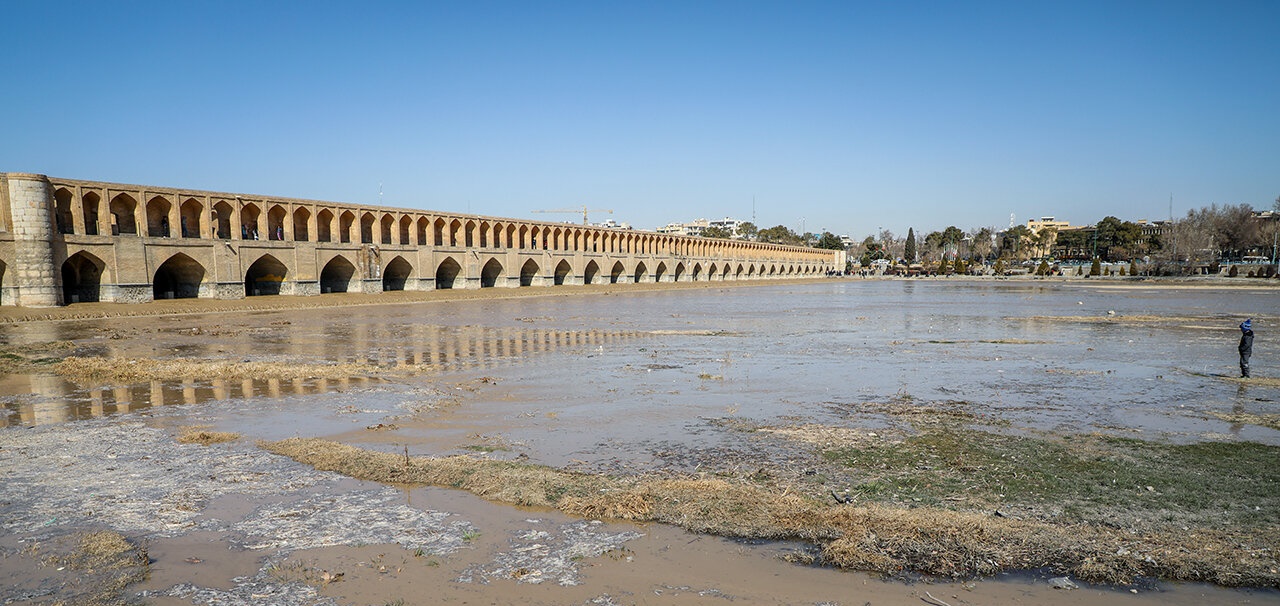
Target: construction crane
584, 210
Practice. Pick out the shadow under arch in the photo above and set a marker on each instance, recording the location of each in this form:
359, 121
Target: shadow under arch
179, 277
589, 274
489, 275
528, 272
447, 273
396, 274
336, 275
82, 278
264, 277
562, 270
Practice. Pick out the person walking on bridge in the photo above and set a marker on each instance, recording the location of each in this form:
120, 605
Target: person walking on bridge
1246, 346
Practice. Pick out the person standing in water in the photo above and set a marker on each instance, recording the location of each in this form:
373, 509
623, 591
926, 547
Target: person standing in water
1246, 346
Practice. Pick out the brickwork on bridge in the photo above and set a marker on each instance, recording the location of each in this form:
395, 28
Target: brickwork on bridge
65, 241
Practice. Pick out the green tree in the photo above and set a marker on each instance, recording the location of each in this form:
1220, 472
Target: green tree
830, 241
748, 230
909, 253
999, 268
1096, 268
716, 232
1042, 269
944, 266
1133, 268
779, 234
961, 266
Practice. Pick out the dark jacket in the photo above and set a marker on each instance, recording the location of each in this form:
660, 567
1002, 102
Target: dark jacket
1246, 343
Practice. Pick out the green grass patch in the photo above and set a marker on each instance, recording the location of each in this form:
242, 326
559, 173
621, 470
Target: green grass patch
1098, 479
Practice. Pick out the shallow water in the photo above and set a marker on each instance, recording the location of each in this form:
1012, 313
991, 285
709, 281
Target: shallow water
646, 380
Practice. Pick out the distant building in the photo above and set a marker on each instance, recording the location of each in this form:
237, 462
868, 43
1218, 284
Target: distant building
698, 226
611, 224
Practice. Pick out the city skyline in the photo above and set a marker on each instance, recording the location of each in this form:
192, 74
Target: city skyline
840, 117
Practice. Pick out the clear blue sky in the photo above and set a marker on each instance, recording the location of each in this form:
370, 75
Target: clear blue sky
848, 116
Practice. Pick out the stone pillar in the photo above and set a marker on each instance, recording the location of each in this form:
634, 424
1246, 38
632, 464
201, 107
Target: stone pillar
31, 202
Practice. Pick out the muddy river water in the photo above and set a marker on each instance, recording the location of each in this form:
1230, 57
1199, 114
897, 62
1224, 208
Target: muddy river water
603, 382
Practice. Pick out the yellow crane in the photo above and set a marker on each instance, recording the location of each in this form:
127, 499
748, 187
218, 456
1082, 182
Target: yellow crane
584, 210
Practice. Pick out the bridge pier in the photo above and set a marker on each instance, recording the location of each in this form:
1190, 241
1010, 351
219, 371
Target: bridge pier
30, 200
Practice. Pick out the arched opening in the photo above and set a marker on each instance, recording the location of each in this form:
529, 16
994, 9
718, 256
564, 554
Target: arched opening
447, 273
366, 228
324, 226
659, 272
90, 204
562, 270
528, 272
179, 277
264, 277
589, 274
424, 227
697, 272
396, 274
336, 275
679, 272
82, 278
189, 215
455, 233
388, 225
275, 222
122, 209
158, 217
468, 232
301, 217
641, 273
616, 272
345, 221
406, 225
221, 220
249, 215
490, 273
438, 236
711, 272
65, 224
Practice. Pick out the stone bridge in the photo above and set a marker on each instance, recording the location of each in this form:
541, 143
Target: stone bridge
65, 241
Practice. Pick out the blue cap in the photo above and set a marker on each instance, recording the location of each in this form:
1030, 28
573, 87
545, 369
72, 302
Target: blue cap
1247, 324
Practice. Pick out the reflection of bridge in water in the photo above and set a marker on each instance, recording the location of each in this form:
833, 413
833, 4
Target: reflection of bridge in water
64, 241
56, 400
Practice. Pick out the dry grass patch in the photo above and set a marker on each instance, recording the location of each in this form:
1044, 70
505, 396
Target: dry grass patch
133, 370
1246, 418
97, 569
873, 537
200, 434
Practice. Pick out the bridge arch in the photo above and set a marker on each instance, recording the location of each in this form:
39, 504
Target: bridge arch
396, 274
249, 215
366, 227
276, 216
528, 272
388, 227
345, 222
82, 278
220, 220
190, 213
324, 225
90, 205
264, 277
406, 227
678, 273
64, 222
447, 273
179, 277
660, 271
336, 275
158, 217
615, 273
590, 272
490, 273
562, 269
697, 272
641, 272
301, 221
122, 208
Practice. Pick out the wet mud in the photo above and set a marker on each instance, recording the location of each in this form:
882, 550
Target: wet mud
731, 382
